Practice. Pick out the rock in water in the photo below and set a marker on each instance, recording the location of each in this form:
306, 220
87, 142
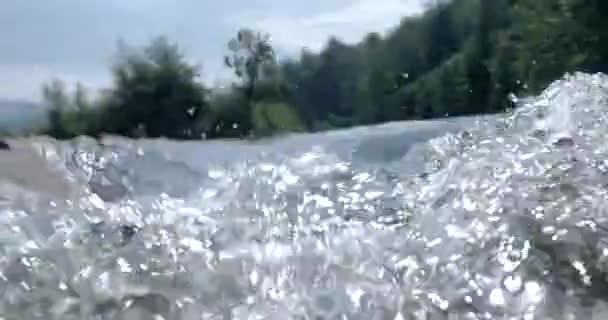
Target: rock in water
4, 145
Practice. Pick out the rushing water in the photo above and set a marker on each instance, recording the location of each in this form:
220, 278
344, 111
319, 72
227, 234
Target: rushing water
504, 220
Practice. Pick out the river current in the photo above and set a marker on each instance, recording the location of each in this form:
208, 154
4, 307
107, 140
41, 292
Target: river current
499, 217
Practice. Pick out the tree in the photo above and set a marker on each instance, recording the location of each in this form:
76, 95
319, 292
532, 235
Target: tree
57, 101
460, 57
555, 38
250, 52
156, 92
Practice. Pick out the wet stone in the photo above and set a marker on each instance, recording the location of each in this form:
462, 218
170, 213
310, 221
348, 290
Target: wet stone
4, 145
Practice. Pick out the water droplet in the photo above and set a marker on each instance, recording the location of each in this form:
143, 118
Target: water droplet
497, 297
513, 284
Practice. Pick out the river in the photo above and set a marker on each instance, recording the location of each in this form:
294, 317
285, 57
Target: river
498, 217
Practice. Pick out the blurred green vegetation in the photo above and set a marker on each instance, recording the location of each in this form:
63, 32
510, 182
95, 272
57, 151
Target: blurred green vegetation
461, 57
269, 118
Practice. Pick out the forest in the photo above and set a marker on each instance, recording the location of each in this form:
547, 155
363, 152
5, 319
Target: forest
460, 57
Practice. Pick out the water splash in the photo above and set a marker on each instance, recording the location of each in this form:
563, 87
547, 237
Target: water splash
506, 221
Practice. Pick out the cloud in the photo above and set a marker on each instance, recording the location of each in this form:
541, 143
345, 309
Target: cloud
350, 23
75, 40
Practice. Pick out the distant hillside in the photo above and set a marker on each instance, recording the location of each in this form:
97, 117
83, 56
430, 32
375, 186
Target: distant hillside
20, 115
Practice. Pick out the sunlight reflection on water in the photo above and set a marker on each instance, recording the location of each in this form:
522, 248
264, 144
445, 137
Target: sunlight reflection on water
503, 221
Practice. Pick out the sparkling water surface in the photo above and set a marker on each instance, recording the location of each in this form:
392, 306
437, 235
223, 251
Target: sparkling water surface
500, 217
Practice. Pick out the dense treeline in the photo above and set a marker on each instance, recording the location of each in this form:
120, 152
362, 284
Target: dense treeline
460, 57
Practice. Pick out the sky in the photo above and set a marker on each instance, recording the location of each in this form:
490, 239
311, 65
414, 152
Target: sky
74, 40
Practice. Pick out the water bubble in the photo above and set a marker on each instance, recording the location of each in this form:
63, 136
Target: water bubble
513, 284
497, 298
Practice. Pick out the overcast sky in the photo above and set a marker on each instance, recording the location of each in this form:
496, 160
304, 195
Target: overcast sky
74, 39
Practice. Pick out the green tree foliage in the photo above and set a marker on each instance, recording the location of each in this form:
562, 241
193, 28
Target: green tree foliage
460, 57
155, 93
230, 116
250, 52
556, 36
269, 118
57, 101
251, 57
68, 115
427, 67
